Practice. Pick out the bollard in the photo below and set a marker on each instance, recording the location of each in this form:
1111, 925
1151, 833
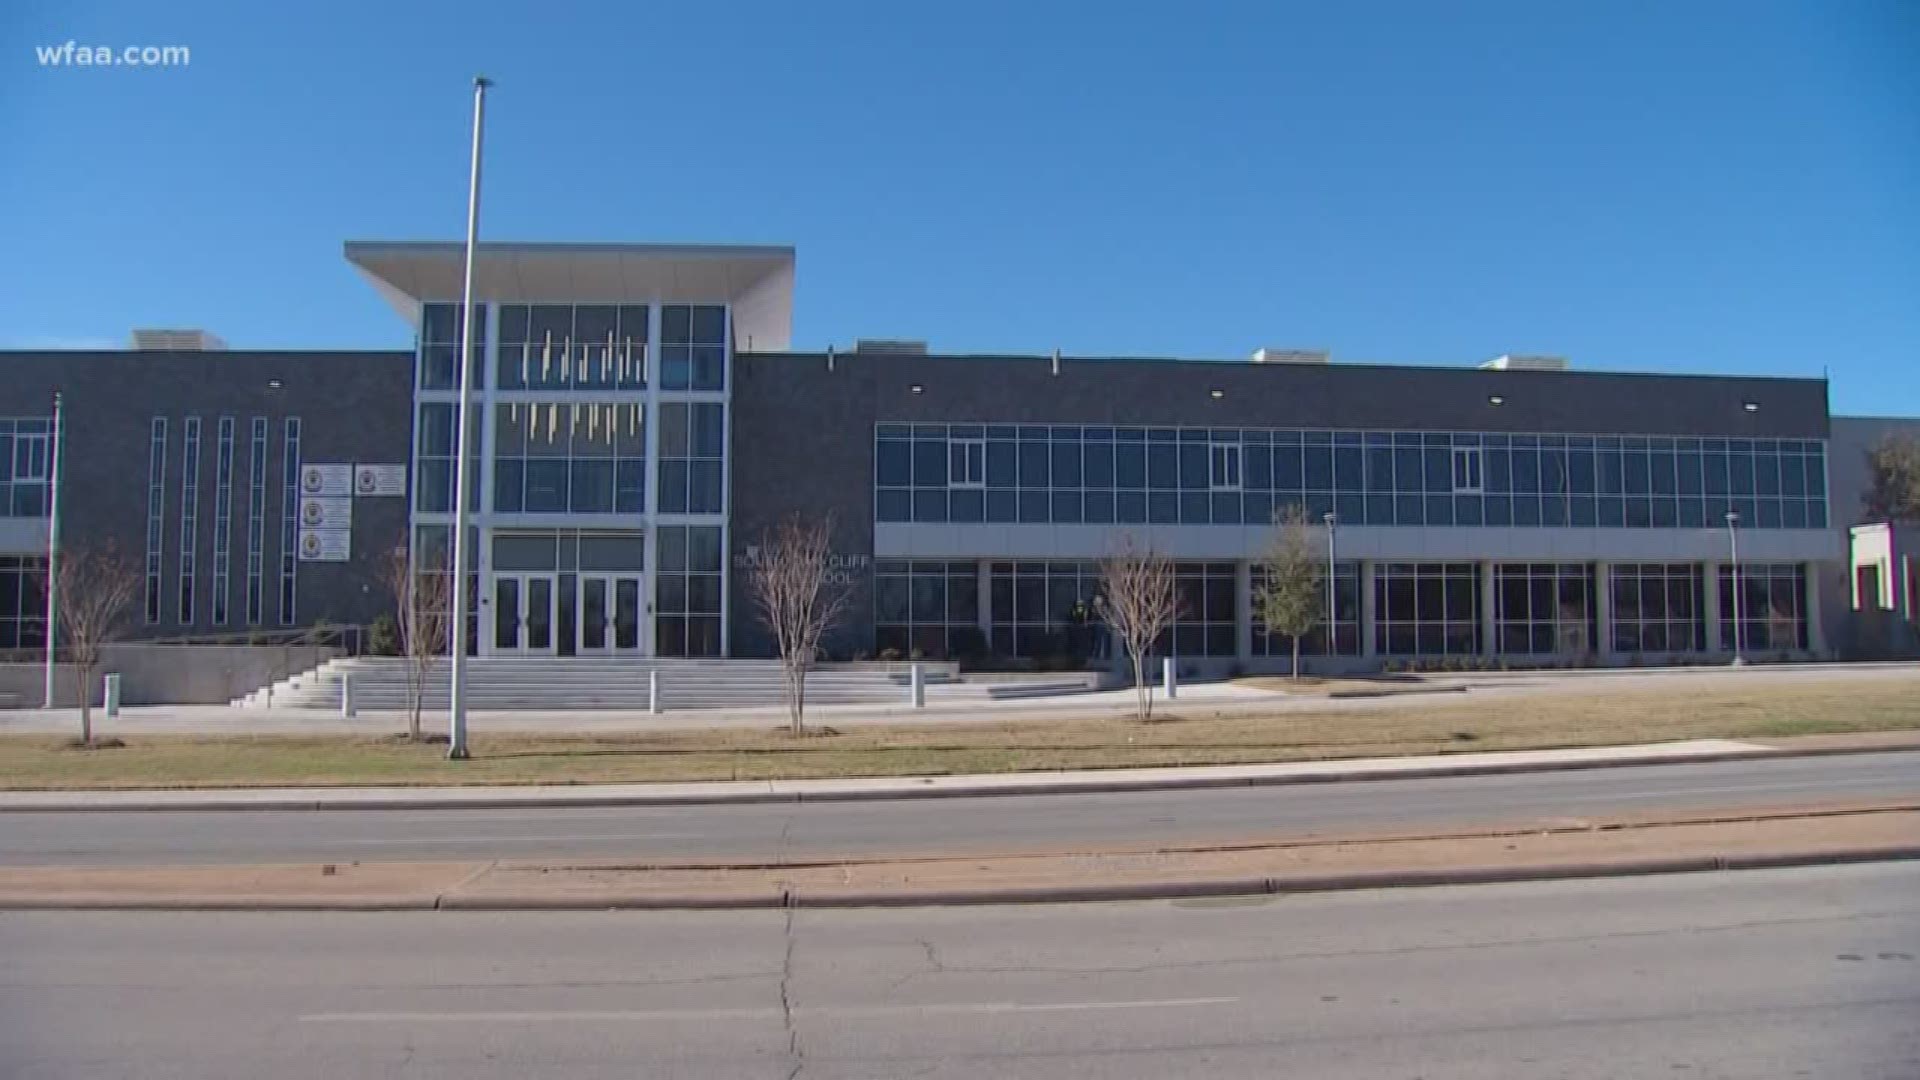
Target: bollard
112, 694
917, 679
346, 696
653, 692
1169, 682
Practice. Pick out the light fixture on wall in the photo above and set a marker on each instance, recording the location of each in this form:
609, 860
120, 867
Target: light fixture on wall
1750, 406
917, 389
1216, 393
1496, 399
273, 384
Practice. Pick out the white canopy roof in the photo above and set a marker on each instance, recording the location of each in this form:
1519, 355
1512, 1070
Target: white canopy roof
756, 280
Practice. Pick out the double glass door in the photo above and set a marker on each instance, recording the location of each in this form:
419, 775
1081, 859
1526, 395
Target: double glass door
525, 608
550, 614
609, 614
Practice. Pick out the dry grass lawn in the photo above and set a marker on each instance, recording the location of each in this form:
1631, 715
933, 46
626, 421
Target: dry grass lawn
1448, 723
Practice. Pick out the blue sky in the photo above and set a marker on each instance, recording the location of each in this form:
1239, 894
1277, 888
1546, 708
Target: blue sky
1713, 187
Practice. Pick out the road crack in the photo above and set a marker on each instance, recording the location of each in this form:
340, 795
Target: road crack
794, 1052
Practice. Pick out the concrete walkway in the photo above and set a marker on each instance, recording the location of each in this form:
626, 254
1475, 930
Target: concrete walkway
1023, 783
1208, 698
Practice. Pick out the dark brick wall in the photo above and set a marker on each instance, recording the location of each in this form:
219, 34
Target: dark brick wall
353, 406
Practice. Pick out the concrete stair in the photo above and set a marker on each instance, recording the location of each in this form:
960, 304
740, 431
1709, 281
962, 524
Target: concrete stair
580, 683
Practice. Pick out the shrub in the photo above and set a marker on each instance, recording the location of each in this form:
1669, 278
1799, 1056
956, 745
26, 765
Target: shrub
383, 636
889, 654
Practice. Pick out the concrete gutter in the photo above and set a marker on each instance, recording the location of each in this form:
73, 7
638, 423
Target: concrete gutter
924, 787
1529, 850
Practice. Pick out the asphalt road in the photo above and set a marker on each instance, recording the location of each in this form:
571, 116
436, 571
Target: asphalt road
1762, 974
768, 831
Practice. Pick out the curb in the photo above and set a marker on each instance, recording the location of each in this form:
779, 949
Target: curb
997, 786
869, 898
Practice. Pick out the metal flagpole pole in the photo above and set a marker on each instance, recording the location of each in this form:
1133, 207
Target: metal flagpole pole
1733, 544
1331, 520
457, 634
53, 552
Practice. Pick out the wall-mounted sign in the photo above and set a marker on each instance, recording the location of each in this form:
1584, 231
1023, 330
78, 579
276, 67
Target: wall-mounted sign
326, 512
380, 479
325, 545
316, 479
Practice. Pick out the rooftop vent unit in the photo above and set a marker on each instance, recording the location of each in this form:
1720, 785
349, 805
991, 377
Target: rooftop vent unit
1291, 356
177, 341
889, 347
1512, 362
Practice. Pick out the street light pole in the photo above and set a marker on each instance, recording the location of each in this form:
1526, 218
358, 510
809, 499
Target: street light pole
1733, 544
53, 553
457, 636
1331, 521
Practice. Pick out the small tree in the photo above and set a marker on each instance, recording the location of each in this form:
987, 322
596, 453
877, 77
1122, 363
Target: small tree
1292, 590
797, 600
1140, 601
95, 590
1894, 465
423, 607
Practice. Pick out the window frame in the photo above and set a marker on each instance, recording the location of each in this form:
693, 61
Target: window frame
1231, 455
1468, 460
972, 454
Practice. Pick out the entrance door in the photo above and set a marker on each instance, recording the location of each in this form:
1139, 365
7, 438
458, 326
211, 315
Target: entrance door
609, 613
524, 608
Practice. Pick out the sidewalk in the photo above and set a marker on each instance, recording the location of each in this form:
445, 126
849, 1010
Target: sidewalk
1525, 851
1022, 783
1211, 697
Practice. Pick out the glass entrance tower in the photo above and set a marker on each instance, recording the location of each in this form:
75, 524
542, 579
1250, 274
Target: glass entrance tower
602, 380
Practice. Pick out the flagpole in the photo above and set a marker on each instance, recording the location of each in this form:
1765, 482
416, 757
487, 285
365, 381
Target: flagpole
53, 553
457, 636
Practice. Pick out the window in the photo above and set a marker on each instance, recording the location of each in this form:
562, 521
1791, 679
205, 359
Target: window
967, 463
687, 603
1543, 608
1346, 618
572, 347
440, 346
156, 515
189, 516
1046, 609
1657, 608
434, 454
256, 521
1223, 472
23, 602
1772, 613
1066, 474
289, 518
693, 446
569, 457
1205, 623
927, 609
693, 347
30, 457
1426, 609
1466, 470
223, 522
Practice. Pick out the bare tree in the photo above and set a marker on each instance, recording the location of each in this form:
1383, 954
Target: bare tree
1894, 466
797, 600
422, 602
96, 589
1139, 600
1291, 594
